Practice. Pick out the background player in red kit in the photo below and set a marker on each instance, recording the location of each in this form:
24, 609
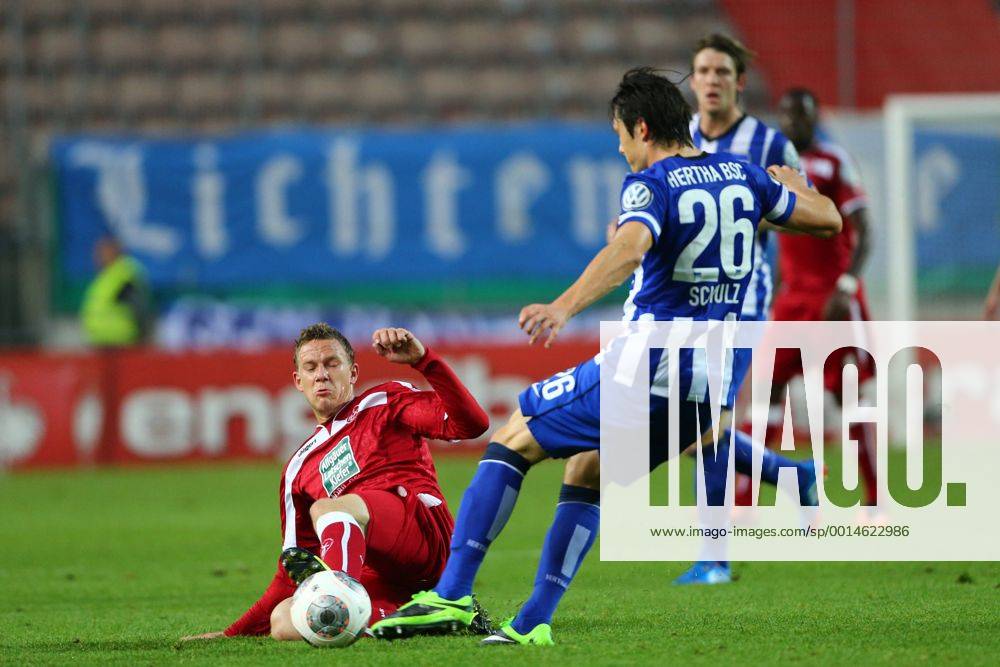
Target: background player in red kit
821, 278
362, 492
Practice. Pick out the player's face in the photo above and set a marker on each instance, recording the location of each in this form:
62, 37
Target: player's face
715, 82
632, 147
798, 119
325, 375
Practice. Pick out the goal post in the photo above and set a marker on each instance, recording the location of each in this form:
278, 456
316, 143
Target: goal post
902, 116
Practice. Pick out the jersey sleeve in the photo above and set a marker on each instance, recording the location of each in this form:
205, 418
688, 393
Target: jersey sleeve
782, 152
447, 412
776, 201
643, 201
257, 619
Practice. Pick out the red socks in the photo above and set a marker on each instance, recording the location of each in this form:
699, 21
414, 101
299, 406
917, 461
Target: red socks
343, 542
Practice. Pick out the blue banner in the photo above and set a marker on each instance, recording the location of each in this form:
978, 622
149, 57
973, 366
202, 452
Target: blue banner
325, 208
956, 208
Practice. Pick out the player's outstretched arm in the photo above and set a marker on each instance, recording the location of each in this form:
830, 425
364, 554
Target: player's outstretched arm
450, 411
813, 214
609, 269
838, 304
863, 241
257, 619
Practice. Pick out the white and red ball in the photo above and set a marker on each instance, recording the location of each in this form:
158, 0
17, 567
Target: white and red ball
330, 609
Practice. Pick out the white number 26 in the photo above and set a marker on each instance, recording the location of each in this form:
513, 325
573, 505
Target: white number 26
723, 212
559, 384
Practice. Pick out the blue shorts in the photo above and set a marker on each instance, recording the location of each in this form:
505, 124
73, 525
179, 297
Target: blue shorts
565, 411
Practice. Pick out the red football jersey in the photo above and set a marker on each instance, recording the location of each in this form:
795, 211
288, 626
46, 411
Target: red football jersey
810, 264
375, 442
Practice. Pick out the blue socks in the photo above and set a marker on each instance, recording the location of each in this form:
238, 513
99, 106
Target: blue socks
715, 469
485, 508
570, 537
770, 465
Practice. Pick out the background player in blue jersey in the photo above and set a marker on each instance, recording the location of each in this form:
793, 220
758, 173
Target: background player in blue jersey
718, 75
688, 221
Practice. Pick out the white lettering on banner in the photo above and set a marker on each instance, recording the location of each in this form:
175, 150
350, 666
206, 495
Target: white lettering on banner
274, 223
88, 419
519, 181
21, 426
121, 196
972, 382
348, 183
219, 406
595, 186
158, 423
294, 419
937, 173
208, 189
442, 179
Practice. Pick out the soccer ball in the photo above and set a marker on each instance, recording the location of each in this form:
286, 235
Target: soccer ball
331, 609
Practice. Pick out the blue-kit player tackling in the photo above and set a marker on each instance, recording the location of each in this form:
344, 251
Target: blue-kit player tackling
688, 220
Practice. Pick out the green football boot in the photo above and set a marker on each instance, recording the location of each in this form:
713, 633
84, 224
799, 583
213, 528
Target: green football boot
540, 635
300, 564
430, 614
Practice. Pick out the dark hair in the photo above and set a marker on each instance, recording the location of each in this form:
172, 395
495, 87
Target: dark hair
741, 55
799, 93
321, 331
645, 94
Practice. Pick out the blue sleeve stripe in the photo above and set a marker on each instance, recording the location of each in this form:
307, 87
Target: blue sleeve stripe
641, 216
783, 209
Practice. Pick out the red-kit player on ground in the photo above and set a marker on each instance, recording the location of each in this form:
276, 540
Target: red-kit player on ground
361, 494
821, 278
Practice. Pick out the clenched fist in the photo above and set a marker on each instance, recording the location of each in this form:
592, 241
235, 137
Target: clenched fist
397, 345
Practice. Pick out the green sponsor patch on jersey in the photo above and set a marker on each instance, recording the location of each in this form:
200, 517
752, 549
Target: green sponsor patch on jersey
338, 466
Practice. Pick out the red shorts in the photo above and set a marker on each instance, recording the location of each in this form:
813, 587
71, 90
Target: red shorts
799, 307
407, 545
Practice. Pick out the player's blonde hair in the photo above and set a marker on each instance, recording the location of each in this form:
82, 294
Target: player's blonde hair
321, 331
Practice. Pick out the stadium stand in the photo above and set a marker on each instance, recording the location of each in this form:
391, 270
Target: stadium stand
169, 65
963, 57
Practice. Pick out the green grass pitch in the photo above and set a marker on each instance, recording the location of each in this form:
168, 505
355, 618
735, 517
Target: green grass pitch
113, 566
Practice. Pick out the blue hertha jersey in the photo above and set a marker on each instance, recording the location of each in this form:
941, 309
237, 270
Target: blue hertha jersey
757, 143
703, 213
